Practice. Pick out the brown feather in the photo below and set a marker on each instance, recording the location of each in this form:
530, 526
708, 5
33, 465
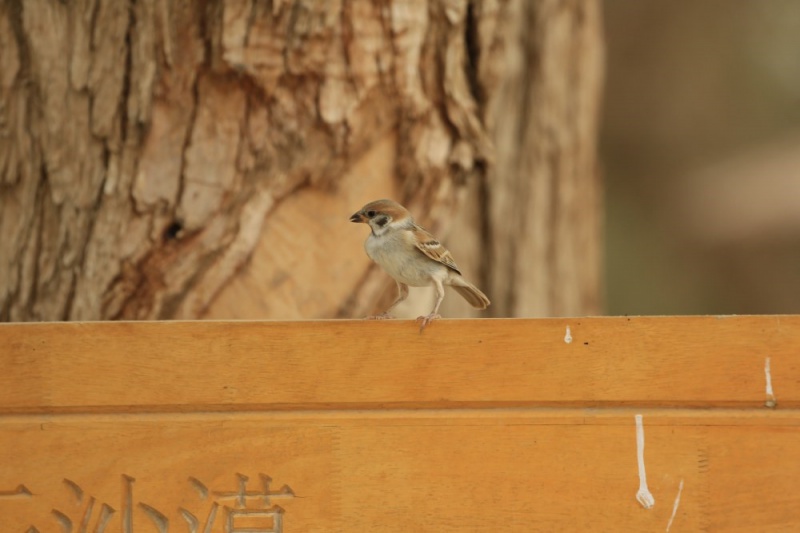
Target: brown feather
432, 248
387, 207
472, 295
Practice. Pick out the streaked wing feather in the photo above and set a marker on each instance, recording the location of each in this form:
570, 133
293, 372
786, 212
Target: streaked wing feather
428, 245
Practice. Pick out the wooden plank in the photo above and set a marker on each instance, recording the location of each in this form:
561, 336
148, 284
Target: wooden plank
495, 425
395, 474
186, 366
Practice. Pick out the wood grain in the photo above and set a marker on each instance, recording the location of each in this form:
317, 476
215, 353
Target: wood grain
495, 425
196, 366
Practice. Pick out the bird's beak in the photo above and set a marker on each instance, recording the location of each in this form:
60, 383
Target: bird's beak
357, 217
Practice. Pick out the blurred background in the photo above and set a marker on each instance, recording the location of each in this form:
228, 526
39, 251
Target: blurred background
700, 152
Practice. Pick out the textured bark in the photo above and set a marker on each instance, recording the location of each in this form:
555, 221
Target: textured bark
539, 209
180, 160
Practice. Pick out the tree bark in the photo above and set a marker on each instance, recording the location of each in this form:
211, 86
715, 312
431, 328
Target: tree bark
184, 160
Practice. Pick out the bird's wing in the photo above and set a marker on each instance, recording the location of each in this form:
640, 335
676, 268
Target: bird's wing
428, 245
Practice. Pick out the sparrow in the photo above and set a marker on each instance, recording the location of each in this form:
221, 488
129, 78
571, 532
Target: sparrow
412, 256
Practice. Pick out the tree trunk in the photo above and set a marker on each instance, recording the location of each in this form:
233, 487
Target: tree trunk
201, 159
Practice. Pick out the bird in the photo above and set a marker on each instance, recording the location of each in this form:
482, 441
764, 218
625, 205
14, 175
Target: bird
413, 257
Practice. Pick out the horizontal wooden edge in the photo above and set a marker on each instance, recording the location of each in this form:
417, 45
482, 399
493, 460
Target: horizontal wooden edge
625, 416
744, 362
341, 321
387, 406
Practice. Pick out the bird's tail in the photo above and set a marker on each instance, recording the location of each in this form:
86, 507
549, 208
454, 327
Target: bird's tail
470, 293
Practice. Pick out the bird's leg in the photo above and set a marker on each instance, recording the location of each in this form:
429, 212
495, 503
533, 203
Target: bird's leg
402, 289
434, 314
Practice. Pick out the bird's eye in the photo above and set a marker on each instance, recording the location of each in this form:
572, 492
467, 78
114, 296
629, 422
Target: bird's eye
370, 214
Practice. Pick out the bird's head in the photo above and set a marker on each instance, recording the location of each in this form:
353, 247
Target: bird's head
381, 215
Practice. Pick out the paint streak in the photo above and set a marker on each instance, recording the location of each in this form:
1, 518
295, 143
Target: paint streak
568, 336
643, 495
675, 506
771, 400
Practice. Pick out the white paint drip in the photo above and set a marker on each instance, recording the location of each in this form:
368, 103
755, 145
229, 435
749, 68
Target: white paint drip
771, 401
675, 506
643, 495
568, 336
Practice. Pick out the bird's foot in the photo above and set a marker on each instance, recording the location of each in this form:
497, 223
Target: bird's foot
427, 319
382, 316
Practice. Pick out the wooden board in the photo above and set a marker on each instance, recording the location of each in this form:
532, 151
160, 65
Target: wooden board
484, 425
